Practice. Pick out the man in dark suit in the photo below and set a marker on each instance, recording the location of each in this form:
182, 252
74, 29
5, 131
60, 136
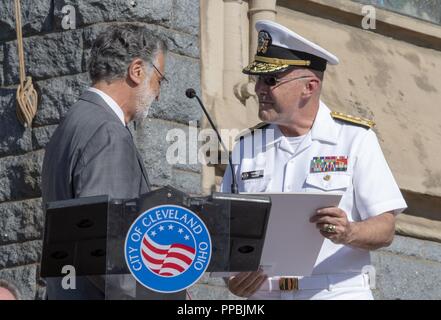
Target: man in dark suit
92, 151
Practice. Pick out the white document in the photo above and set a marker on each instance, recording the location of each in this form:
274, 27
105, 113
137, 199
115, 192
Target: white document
292, 243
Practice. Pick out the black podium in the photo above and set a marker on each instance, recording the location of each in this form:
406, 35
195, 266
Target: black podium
89, 234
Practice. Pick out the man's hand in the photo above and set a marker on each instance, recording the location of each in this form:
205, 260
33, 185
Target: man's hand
334, 216
245, 284
370, 234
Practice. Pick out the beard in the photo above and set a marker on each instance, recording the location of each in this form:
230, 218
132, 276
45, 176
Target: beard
144, 99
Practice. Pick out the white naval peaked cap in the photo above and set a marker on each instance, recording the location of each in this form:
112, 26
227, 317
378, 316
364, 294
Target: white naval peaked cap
279, 48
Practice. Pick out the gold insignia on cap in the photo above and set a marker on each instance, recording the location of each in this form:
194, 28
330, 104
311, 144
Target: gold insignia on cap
262, 67
263, 42
352, 119
278, 61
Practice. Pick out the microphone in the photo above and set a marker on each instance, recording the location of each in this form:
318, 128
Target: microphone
191, 93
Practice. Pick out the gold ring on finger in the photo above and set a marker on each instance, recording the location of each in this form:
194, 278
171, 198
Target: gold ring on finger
330, 228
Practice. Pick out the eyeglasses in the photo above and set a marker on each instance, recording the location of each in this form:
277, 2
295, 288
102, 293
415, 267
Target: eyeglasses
163, 78
273, 80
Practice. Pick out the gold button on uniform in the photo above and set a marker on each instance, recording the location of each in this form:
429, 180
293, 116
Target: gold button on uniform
327, 177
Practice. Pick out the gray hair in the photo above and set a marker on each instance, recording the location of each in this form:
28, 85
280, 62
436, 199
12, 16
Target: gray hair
116, 47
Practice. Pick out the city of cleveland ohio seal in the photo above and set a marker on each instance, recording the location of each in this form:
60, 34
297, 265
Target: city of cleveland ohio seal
168, 248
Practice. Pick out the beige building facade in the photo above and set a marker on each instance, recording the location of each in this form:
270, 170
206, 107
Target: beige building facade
390, 74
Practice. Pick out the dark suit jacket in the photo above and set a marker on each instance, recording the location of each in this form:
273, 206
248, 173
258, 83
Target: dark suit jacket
90, 153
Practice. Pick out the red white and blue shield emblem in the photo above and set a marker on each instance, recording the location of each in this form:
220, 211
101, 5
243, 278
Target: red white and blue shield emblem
168, 248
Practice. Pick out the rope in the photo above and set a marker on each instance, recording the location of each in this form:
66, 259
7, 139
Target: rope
27, 97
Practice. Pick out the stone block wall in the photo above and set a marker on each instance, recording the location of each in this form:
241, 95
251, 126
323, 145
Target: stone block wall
408, 270
57, 61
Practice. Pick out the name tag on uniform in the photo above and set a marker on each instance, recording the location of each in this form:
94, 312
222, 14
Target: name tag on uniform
326, 164
252, 174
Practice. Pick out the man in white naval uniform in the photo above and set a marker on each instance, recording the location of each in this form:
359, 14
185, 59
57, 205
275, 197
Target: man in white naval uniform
312, 149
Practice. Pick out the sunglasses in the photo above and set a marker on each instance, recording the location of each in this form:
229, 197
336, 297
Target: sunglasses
271, 81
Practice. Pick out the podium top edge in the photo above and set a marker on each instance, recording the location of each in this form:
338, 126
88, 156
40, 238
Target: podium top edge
50, 205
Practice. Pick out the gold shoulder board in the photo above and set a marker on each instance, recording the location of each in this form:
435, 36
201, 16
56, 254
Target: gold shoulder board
248, 131
366, 123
